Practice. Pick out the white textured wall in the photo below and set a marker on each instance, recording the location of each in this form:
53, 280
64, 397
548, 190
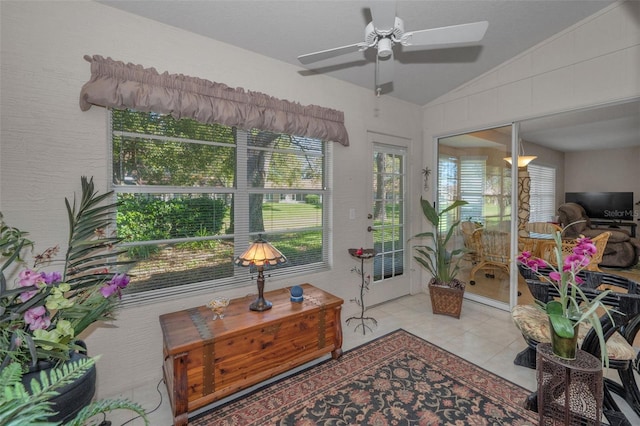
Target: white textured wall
604, 170
47, 143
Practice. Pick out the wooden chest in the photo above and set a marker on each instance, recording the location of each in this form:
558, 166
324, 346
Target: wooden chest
205, 359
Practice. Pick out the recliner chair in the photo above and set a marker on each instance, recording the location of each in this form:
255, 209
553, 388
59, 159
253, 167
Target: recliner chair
621, 250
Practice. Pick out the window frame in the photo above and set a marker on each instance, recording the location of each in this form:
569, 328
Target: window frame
241, 237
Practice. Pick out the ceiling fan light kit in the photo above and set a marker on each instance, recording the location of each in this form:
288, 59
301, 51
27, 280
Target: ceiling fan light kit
385, 48
386, 30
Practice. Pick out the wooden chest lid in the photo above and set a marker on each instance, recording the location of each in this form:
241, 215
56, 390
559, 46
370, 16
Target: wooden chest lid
190, 328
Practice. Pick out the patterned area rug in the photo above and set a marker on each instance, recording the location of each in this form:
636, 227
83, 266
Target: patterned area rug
398, 379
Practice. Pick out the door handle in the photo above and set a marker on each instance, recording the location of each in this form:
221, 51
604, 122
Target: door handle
369, 228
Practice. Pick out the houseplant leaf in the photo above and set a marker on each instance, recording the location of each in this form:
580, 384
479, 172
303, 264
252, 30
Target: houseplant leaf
436, 258
562, 325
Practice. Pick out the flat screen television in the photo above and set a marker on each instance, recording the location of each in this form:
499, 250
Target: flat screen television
604, 205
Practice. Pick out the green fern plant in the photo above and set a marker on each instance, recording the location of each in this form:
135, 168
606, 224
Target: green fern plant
19, 406
104, 406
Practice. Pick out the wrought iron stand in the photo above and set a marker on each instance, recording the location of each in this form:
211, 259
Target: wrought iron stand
364, 322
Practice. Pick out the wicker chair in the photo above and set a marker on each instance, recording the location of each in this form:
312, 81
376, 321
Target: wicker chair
471, 232
528, 244
544, 228
493, 251
600, 241
534, 235
619, 335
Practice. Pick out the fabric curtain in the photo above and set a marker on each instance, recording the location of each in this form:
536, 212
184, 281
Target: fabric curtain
119, 85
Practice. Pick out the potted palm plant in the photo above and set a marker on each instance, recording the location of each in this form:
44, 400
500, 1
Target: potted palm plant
43, 313
445, 289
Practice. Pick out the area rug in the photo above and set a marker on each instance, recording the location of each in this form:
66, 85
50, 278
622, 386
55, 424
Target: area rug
397, 379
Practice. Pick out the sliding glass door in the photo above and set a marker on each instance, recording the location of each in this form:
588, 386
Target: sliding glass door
472, 167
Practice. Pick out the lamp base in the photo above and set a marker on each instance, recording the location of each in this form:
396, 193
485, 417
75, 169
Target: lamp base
260, 304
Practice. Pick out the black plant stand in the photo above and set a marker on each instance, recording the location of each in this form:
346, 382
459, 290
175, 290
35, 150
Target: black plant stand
364, 322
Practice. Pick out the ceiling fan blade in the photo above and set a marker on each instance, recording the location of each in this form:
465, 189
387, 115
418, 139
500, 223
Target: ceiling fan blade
384, 71
464, 33
383, 14
330, 53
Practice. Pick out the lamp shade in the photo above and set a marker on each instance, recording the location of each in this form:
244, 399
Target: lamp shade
260, 253
523, 160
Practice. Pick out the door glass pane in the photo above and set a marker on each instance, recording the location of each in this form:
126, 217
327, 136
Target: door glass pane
388, 211
472, 168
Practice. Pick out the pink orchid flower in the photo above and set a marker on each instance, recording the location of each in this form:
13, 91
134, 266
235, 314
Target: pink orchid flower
29, 278
585, 247
117, 283
51, 277
557, 277
575, 262
37, 318
531, 262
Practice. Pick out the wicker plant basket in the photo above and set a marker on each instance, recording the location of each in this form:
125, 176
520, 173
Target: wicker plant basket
446, 300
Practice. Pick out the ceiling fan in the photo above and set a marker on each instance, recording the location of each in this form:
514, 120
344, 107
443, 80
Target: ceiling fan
386, 30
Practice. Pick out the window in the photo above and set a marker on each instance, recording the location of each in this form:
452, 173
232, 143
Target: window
487, 189
388, 211
542, 193
447, 188
192, 197
473, 177
497, 195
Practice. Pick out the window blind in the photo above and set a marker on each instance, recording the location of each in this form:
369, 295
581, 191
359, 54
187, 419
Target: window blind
447, 187
543, 193
472, 187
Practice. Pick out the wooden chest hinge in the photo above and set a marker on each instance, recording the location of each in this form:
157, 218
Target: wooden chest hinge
208, 364
208, 355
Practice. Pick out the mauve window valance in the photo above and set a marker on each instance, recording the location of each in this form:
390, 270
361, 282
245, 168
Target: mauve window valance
119, 85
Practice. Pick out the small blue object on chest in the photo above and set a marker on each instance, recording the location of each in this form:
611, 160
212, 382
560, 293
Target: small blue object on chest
296, 293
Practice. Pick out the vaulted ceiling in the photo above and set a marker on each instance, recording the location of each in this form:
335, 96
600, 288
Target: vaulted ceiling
286, 29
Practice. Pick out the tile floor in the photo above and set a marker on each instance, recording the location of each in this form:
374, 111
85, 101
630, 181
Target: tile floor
483, 335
